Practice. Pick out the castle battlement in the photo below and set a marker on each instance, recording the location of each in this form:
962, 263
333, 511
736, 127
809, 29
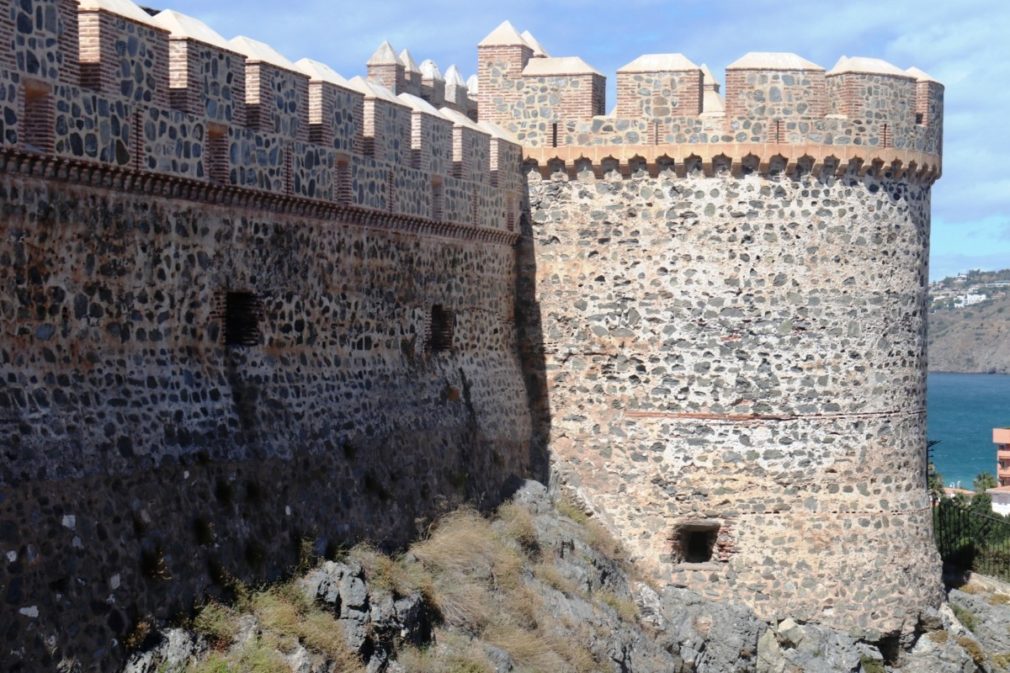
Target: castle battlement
863, 108
105, 81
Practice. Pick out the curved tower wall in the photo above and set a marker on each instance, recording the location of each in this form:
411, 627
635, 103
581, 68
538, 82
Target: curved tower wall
733, 305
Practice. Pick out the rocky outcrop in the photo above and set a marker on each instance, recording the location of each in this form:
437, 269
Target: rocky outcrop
571, 605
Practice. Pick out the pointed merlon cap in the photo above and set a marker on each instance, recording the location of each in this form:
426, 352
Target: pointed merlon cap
320, 72
384, 55
505, 35
921, 76
708, 81
181, 26
473, 85
123, 8
659, 63
772, 60
408, 62
372, 90
429, 70
460, 119
256, 51
564, 65
534, 44
453, 77
867, 66
418, 104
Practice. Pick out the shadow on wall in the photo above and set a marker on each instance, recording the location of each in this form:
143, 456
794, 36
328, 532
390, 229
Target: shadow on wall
529, 326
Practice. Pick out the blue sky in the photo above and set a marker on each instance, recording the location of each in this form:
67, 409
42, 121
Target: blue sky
964, 44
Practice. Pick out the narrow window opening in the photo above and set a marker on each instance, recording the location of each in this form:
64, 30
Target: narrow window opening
885, 136
343, 178
390, 191
695, 543
778, 135
437, 200
216, 154
554, 134
241, 319
443, 323
38, 117
655, 132
920, 118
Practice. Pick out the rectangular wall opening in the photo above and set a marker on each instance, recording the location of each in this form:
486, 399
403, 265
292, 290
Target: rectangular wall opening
695, 542
37, 121
440, 334
437, 199
554, 134
242, 312
217, 154
343, 181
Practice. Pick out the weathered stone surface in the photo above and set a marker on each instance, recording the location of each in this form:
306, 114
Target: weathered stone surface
715, 349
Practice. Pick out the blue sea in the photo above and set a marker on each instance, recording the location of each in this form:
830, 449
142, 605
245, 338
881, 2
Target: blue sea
962, 410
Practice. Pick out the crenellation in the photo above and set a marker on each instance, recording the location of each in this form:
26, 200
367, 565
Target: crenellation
412, 74
385, 68
206, 75
659, 86
277, 92
123, 52
431, 137
471, 148
386, 123
432, 83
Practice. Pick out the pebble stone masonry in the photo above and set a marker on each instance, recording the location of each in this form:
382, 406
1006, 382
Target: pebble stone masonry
732, 298
248, 305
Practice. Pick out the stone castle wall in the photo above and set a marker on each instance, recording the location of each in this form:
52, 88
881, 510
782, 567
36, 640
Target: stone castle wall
732, 301
741, 354
231, 324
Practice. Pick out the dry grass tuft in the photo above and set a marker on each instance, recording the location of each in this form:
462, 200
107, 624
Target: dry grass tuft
529, 649
520, 527
625, 608
255, 656
999, 599
550, 575
218, 623
973, 649
285, 615
971, 588
939, 637
453, 654
393, 575
567, 506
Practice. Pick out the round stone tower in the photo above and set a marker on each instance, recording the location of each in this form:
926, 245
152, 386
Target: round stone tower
733, 301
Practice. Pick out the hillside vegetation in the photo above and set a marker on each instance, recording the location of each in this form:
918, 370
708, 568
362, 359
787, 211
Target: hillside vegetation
539, 587
975, 339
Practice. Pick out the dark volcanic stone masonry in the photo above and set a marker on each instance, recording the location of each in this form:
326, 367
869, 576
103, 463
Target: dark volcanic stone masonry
144, 459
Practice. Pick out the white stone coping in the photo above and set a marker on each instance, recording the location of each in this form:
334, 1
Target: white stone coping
772, 60
384, 55
559, 65
534, 44
408, 62
505, 35
473, 85
418, 104
459, 119
658, 63
867, 66
320, 72
373, 90
921, 76
429, 70
124, 8
453, 78
182, 26
256, 51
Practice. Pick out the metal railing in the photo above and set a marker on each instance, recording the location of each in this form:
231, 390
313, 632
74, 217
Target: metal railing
972, 540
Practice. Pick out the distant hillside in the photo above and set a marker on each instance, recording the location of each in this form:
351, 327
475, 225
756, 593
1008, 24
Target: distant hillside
975, 339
